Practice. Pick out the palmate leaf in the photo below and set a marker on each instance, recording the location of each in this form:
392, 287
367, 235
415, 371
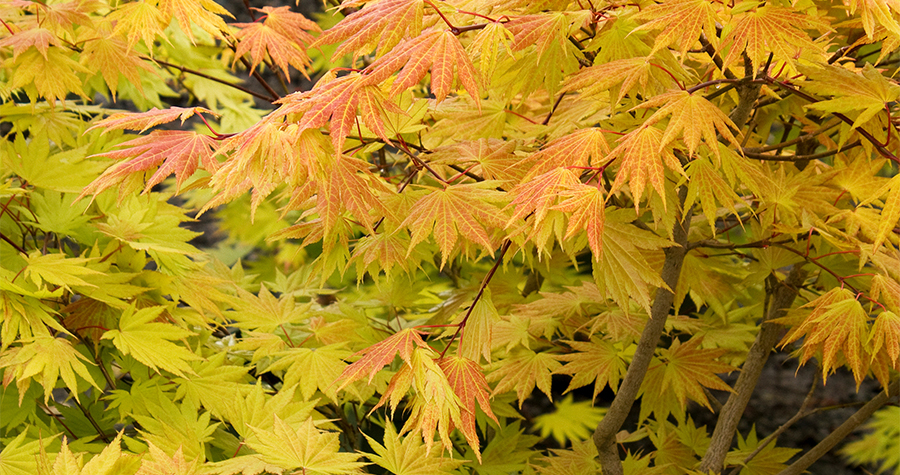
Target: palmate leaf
681, 23
111, 55
865, 91
570, 422
766, 30
522, 370
641, 155
693, 118
57, 269
150, 342
173, 151
582, 148
434, 407
45, 359
683, 372
469, 385
304, 447
770, 460
585, 206
382, 24
453, 211
409, 456
837, 327
438, 50
19, 457
312, 369
50, 75
335, 101
203, 13
381, 354
597, 361
282, 35
38, 38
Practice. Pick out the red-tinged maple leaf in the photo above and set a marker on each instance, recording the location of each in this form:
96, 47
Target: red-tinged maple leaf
203, 13
438, 50
597, 361
453, 211
768, 30
282, 35
39, 38
538, 30
336, 101
585, 205
493, 159
142, 121
576, 150
173, 151
522, 371
381, 354
681, 22
469, 384
537, 195
641, 156
693, 118
382, 24
681, 373
435, 407
837, 327
348, 188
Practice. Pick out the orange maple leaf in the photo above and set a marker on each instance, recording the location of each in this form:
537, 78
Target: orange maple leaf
768, 30
585, 205
681, 22
642, 155
282, 35
537, 195
438, 50
522, 371
378, 24
39, 38
112, 56
142, 121
173, 151
573, 150
453, 211
597, 361
381, 354
203, 13
470, 385
693, 117
335, 101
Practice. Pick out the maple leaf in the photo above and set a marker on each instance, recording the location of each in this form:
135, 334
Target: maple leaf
585, 205
456, 210
522, 370
281, 35
37, 38
264, 312
434, 407
141, 121
57, 269
111, 54
487, 45
766, 30
381, 354
890, 212
682, 372
304, 447
203, 13
681, 23
157, 462
885, 335
173, 151
571, 421
707, 187
409, 456
770, 459
50, 74
380, 24
837, 326
149, 342
438, 50
597, 361
616, 77
538, 195
491, 159
480, 321
693, 118
312, 368
138, 21
50, 358
641, 154
336, 101
867, 91
469, 385
580, 149
21, 458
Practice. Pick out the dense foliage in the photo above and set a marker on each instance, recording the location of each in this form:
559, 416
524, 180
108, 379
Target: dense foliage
475, 199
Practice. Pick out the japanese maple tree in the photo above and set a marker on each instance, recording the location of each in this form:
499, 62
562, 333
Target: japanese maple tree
428, 213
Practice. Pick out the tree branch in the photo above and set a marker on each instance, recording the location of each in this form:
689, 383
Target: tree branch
605, 433
839, 434
782, 296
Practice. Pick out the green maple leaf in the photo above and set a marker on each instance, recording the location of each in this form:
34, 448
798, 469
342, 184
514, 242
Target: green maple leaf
150, 342
305, 447
409, 456
570, 422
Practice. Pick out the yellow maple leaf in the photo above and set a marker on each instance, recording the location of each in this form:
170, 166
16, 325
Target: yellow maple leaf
304, 447
203, 13
523, 370
693, 118
641, 155
409, 456
681, 22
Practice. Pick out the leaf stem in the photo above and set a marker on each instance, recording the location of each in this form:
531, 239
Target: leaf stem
186, 70
11, 243
484, 283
